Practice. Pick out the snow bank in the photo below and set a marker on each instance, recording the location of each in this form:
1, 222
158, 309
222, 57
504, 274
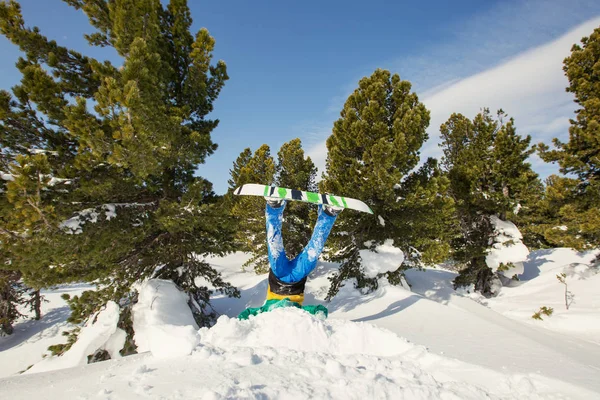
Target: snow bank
100, 332
162, 320
290, 354
293, 329
385, 258
507, 248
540, 287
334, 359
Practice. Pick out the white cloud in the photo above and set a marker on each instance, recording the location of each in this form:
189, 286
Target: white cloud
493, 35
529, 87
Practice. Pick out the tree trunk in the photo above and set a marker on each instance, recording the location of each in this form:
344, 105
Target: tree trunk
6, 329
37, 305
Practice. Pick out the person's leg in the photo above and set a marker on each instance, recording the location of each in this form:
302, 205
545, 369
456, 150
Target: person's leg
277, 257
308, 258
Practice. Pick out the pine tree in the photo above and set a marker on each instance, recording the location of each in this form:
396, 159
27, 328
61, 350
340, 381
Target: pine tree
11, 296
486, 163
580, 156
295, 171
557, 221
374, 145
236, 172
427, 209
104, 157
249, 210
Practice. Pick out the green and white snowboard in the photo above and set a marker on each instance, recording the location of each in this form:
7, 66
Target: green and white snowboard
253, 189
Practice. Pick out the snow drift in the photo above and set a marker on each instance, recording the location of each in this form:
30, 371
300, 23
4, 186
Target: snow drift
475, 349
288, 353
100, 332
508, 249
162, 320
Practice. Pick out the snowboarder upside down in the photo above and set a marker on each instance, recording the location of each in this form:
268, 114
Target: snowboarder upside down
287, 278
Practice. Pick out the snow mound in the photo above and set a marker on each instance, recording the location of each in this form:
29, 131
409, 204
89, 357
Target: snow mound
539, 287
508, 248
385, 258
333, 359
287, 354
100, 332
304, 333
162, 320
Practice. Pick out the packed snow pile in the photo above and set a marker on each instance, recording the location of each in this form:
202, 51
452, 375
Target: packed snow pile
385, 258
29, 343
508, 251
539, 286
288, 353
162, 320
423, 343
100, 332
304, 334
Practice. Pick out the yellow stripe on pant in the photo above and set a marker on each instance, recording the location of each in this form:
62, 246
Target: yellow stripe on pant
296, 298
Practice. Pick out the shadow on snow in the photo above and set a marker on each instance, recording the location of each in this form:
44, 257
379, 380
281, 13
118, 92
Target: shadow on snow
27, 329
392, 309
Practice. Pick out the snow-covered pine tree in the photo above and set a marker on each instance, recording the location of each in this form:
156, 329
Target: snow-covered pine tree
103, 158
249, 211
579, 212
374, 146
485, 162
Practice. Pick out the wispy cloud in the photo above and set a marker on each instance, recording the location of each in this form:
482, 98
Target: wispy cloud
529, 86
472, 45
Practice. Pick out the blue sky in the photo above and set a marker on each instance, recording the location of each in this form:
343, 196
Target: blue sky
292, 64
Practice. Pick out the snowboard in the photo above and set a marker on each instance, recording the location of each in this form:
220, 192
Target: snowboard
254, 189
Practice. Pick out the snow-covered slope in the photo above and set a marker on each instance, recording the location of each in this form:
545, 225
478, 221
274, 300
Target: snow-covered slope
539, 287
30, 341
393, 343
289, 354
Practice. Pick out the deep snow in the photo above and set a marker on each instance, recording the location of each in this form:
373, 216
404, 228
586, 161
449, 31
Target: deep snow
426, 343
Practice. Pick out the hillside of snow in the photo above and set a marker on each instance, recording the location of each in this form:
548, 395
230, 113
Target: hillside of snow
426, 342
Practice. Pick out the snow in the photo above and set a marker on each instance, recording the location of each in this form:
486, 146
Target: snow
393, 343
6, 177
110, 211
539, 287
508, 248
94, 335
42, 151
31, 339
304, 334
55, 181
517, 208
385, 258
74, 225
162, 321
